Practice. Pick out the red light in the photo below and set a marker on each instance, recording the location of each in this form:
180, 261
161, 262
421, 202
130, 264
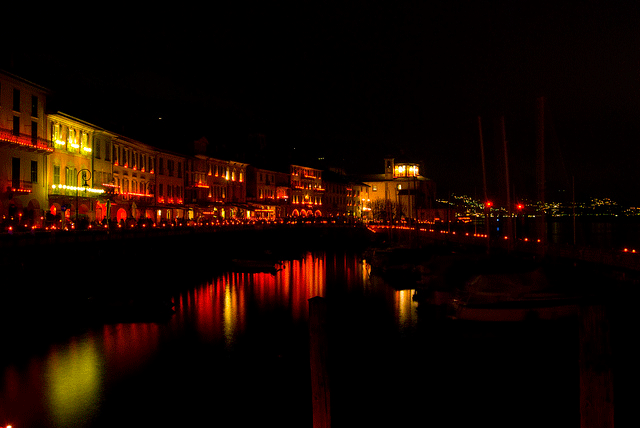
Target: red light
520, 206
488, 204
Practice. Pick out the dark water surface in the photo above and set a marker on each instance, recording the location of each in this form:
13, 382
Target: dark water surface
236, 354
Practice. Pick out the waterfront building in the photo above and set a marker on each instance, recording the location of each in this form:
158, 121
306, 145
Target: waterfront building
261, 192
306, 192
71, 194
169, 195
334, 199
24, 149
283, 193
401, 192
358, 200
133, 181
217, 180
102, 177
197, 190
236, 203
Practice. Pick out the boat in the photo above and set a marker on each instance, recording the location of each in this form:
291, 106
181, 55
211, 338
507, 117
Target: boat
512, 297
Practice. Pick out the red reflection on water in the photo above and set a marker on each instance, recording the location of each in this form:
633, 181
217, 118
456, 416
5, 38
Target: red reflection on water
21, 397
128, 346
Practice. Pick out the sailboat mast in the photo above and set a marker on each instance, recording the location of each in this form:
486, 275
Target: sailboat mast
508, 186
540, 219
487, 210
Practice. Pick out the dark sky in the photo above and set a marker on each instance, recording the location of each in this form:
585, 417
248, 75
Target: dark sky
359, 80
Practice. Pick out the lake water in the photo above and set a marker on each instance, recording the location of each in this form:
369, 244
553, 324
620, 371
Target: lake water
236, 353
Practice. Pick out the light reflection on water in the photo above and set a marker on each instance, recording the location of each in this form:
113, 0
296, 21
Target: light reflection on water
72, 383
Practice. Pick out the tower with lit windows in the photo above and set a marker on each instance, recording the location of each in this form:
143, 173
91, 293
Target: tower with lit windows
401, 193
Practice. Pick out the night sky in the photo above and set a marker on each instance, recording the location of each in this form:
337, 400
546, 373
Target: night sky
355, 81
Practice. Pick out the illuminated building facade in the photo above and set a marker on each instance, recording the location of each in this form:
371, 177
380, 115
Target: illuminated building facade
237, 190
133, 180
70, 172
283, 193
24, 150
334, 199
169, 191
400, 193
306, 192
358, 200
262, 192
102, 177
196, 188
217, 178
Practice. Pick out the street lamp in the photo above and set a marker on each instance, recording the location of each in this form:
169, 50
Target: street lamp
86, 175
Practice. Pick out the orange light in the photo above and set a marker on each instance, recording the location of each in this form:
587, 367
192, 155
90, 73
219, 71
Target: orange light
520, 206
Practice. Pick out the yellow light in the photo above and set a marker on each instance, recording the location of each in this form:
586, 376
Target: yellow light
87, 149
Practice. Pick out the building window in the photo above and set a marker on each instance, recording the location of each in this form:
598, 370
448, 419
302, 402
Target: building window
84, 142
179, 169
34, 132
160, 190
56, 174
16, 125
374, 188
107, 151
160, 166
34, 171
34, 106
96, 144
16, 99
15, 172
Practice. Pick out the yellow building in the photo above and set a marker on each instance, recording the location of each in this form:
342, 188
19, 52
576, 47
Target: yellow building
70, 172
24, 149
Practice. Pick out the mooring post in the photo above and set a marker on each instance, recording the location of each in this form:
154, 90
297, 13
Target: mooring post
320, 391
596, 377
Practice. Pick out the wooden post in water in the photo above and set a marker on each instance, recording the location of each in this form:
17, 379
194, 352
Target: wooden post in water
320, 391
596, 378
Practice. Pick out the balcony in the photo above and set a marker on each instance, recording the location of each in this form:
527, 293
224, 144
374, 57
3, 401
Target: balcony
18, 186
25, 141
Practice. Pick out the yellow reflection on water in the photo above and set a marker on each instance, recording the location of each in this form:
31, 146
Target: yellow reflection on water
73, 382
406, 308
229, 311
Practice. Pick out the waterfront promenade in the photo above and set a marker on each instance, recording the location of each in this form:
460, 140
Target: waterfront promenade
623, 263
